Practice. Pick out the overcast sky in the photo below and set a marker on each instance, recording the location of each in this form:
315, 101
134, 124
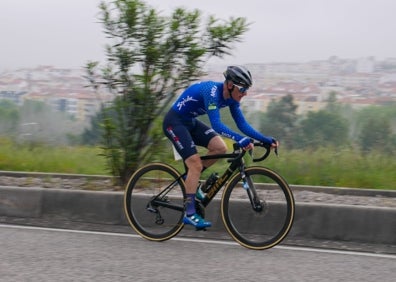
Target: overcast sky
66, 33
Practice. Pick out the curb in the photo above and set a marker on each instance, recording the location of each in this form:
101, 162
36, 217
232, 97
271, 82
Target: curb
312, 221
325, 189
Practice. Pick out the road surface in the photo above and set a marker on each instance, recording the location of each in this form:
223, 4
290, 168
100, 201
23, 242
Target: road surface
30, 253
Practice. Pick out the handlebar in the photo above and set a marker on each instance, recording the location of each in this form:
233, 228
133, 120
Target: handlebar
256, 144
267, 152
239, 153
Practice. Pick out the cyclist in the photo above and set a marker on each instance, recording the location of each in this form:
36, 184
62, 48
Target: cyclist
186, 132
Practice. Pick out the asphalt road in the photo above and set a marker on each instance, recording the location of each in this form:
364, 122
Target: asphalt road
44, 254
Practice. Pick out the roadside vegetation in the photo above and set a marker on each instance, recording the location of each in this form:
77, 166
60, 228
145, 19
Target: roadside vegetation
41, 157
322, 167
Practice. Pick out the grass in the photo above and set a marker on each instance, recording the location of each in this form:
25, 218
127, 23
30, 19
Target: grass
328, 167
323, 167
41, 158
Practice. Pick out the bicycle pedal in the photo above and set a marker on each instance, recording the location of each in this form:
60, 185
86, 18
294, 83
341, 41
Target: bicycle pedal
200, 229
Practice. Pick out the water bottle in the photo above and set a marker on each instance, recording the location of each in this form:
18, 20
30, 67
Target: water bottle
199, 194
209, 182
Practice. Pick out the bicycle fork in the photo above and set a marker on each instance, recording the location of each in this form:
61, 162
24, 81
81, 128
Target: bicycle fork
248, 185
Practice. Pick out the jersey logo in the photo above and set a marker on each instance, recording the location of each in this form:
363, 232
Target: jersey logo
183, 102
212, 106
213, 91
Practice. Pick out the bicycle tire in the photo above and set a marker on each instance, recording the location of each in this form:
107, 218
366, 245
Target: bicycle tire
263, 229
151, 221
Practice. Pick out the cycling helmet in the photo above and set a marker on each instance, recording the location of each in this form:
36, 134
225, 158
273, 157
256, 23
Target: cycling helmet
239, 75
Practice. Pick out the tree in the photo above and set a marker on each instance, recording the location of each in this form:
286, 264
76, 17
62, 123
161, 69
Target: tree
280, 120
9, 117
323, 128
332, 104
92, 135
376, 127
40, 123
375, 133
150, 58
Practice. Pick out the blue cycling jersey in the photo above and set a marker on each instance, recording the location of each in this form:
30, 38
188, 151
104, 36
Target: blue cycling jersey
207, 98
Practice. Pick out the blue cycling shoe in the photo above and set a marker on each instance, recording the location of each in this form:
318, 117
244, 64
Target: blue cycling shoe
197, 221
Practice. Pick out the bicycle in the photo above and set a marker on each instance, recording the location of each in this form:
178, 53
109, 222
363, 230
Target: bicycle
257, 204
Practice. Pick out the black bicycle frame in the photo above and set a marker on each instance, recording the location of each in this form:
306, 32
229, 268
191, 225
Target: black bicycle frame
236, 162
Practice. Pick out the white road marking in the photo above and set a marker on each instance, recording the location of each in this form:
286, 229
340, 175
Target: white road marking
206, 241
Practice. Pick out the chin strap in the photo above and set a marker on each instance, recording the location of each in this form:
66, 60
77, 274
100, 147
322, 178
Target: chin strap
230, 91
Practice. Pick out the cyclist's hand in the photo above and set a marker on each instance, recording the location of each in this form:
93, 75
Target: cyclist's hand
274, 143
246, 143
271, 143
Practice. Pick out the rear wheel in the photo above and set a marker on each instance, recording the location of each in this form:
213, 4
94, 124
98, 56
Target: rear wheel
154, 201
258, 211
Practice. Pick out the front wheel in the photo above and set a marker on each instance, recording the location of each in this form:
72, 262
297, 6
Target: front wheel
258, 210
154, 201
